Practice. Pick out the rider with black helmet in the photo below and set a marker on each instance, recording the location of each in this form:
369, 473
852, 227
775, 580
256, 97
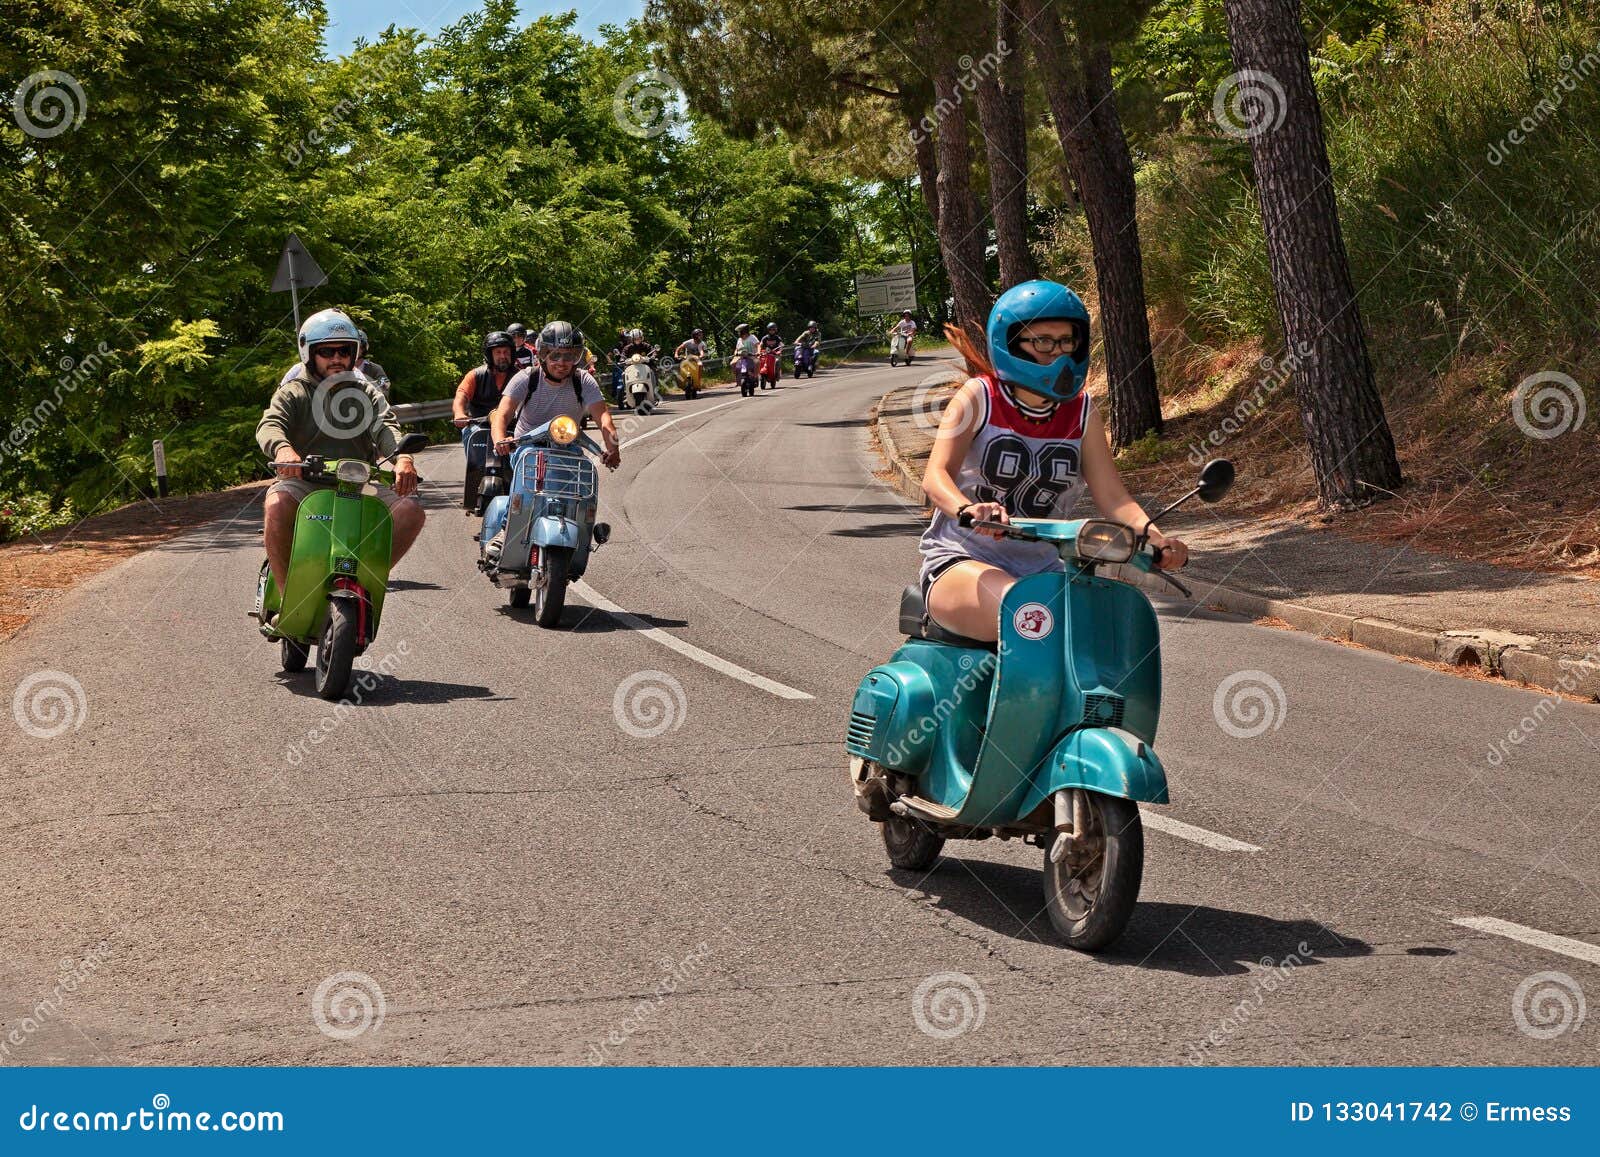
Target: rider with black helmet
478, 395
524, 349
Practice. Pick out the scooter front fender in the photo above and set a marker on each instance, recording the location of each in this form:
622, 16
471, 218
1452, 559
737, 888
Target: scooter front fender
1103, 759
550, 531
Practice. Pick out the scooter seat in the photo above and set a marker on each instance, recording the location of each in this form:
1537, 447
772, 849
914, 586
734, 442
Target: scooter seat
916, 623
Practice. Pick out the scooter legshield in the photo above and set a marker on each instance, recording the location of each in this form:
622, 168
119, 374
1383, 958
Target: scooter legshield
334, 535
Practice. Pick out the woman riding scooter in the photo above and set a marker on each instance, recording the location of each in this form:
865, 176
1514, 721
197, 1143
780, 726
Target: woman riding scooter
1019, 439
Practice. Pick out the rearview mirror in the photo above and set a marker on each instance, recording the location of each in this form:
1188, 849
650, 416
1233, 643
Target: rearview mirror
1216, 477
411, 443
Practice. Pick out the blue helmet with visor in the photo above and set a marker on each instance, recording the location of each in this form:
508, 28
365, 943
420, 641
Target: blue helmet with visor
1062, 376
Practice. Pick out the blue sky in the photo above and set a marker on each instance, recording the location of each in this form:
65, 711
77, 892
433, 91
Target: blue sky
348, 19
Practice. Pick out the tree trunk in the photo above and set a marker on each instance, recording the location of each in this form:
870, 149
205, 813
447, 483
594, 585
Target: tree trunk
927, 160
1082, 104
1005, 138
961, 233
1340, 408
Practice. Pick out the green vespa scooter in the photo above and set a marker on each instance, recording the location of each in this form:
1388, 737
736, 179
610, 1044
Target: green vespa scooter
1046, 735
338, 571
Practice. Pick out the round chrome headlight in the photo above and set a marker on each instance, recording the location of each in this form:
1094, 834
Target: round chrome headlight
563, 430
352, 471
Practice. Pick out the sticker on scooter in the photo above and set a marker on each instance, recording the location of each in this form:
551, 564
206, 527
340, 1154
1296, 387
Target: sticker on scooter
1033, 621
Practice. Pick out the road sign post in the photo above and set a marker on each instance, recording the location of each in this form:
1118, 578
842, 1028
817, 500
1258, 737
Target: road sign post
297, 270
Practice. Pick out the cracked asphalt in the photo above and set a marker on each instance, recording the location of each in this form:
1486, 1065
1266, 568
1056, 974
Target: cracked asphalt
490, 860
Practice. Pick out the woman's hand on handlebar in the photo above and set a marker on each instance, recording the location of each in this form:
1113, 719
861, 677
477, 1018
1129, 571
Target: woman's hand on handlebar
986, 512
504, 446
1171, 553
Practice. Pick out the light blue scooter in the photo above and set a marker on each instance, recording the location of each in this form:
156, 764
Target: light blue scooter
548, 513
1045, 735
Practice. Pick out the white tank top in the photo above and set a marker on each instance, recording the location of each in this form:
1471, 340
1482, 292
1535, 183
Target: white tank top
1029, 461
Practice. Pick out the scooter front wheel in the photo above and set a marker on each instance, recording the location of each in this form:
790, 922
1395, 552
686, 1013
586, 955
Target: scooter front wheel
551, 597
1090, 892
337, 650
910, 844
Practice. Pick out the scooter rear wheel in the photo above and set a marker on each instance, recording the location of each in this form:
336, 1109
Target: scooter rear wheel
293, 656
337, 650
1091, 893
910, 844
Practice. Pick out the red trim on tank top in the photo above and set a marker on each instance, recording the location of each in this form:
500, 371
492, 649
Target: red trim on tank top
1066, 421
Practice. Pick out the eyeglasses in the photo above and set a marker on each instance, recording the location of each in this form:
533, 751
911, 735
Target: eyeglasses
561, 356
336, 351
1046, 344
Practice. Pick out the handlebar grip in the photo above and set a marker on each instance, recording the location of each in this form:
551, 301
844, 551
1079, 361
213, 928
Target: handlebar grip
964, 519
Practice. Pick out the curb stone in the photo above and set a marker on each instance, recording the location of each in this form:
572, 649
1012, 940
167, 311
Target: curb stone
1497, 652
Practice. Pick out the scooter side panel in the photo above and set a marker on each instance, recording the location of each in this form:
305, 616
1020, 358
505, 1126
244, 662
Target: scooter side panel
1106, 760
922, 713
1026, 701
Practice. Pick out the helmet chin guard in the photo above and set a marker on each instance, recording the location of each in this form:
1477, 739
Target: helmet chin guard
1031, 301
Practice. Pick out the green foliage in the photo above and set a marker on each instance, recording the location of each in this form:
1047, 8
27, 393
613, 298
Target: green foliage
447, 186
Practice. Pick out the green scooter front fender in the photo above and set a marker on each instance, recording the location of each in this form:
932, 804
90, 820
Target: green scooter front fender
338, 532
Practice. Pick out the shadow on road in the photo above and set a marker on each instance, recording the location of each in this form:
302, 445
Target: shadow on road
375, 689
836, 424
412, 585
581, 620
1193, 939
879, 530
854, 507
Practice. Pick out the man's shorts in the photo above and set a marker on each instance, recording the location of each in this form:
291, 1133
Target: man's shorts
299, 489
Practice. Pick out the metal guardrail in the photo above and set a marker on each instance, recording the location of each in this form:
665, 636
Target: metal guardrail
412, 412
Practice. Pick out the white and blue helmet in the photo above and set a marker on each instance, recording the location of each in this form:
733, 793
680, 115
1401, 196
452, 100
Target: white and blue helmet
326, 326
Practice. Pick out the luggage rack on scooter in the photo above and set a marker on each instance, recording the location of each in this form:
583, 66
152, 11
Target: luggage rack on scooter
567, 474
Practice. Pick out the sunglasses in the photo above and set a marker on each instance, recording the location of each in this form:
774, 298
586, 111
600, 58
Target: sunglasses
561, 356
336, 351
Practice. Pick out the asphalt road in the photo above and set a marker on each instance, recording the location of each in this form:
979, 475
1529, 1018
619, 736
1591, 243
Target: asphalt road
491, 859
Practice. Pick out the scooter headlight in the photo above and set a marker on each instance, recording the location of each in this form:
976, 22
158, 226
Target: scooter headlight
563, 430
1105, 542
355, 472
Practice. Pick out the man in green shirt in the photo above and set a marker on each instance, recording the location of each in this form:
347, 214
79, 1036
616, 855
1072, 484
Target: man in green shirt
323, 407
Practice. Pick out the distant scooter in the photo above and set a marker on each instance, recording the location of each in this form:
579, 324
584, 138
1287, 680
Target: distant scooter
769, 368
899, 349
639, 389
1046, 735
805, 360
338, 570
744, 372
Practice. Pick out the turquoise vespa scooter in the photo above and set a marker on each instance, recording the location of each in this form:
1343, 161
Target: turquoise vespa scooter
1045, 735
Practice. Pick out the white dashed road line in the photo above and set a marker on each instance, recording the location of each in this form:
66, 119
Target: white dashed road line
1549, 941
1183, 831
688, 650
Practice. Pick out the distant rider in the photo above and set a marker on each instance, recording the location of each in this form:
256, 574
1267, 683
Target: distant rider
477, 396
693, 344
312, 412
522, 354
373, 372
907, 326
551, 387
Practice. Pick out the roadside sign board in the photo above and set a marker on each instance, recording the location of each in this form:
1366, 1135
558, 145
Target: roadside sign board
890, 290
